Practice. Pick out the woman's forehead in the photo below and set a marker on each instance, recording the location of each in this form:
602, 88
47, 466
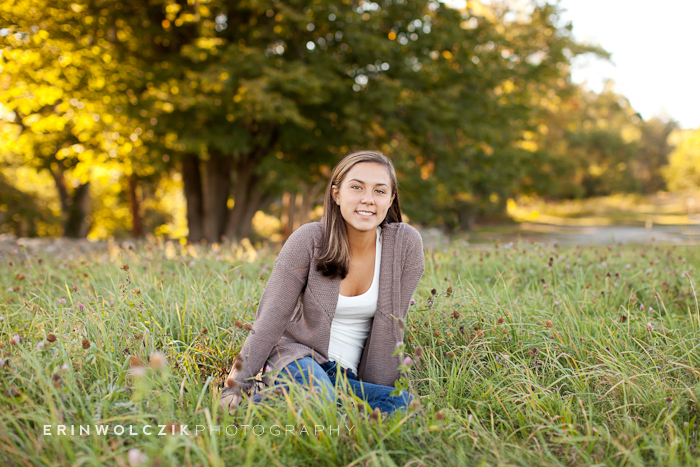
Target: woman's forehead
369, 172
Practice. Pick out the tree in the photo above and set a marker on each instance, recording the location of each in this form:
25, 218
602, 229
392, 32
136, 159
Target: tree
58, 88
683, 170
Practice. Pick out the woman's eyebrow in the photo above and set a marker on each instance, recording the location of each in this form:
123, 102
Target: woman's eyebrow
360, 181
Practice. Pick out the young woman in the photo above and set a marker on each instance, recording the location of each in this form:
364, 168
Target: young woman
337, 292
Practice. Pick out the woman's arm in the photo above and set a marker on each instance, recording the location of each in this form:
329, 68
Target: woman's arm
413, 268
277, 304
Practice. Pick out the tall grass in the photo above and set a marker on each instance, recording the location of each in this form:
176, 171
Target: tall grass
532, 355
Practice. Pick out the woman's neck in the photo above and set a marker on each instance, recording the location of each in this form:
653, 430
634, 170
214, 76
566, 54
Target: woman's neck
362, 242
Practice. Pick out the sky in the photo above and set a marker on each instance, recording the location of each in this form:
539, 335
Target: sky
655, 49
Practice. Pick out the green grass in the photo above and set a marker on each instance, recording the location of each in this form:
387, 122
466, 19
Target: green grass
524, 363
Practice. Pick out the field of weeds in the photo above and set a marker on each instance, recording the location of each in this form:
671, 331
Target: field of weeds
532, 354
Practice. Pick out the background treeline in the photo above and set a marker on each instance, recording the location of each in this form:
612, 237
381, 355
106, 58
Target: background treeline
194, 117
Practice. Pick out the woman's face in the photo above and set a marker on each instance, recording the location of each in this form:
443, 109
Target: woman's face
364, 196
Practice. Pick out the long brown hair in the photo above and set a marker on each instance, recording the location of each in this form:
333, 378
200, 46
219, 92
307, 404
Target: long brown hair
335, 249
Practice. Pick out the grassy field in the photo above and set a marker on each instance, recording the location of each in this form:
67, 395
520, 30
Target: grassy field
532, 355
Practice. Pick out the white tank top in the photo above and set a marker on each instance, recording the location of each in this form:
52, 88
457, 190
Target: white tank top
353, 320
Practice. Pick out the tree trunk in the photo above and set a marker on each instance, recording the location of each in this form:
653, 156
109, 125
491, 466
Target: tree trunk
216, 190
287, 214
76, 225
135, 204
192, 181
75, 208
245, 180
468, 217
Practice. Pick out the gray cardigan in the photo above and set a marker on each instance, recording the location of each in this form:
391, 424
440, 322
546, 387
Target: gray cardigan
296, 309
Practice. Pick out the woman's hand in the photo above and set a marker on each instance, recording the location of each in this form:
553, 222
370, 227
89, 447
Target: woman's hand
229, 403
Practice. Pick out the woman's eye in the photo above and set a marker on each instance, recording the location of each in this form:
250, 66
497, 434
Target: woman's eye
380, 191
356, 186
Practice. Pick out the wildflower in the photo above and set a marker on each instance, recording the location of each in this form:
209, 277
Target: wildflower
157, 360
81, 307
500, 320
433, 292
376, 415
415, 404
682, 273
56, 380
135, 361
413, 302
10, 289
439, 416
15, 340
137, 371
125, 267
136, 457
268, 368
74, 288
448, 292
86, 344
238, 324
51, 338
248, 327
651, 310
549, 323
419, 352
62, 301
488, 279
399, 343
64, 367
407, 361
40, 345
650, 327
455, 314
430, 302
191, 263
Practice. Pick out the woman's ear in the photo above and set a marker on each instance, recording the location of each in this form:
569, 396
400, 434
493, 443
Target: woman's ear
334, 194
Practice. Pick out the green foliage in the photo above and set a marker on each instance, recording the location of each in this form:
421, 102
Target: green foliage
533, 354
474, 106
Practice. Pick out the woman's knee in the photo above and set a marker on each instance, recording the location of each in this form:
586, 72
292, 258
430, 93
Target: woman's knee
309, 374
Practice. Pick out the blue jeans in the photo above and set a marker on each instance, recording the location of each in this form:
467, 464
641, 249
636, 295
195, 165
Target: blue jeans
322, 378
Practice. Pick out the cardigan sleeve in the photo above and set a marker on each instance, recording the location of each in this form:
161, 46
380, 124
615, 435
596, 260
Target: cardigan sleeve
413, 268
277, 304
